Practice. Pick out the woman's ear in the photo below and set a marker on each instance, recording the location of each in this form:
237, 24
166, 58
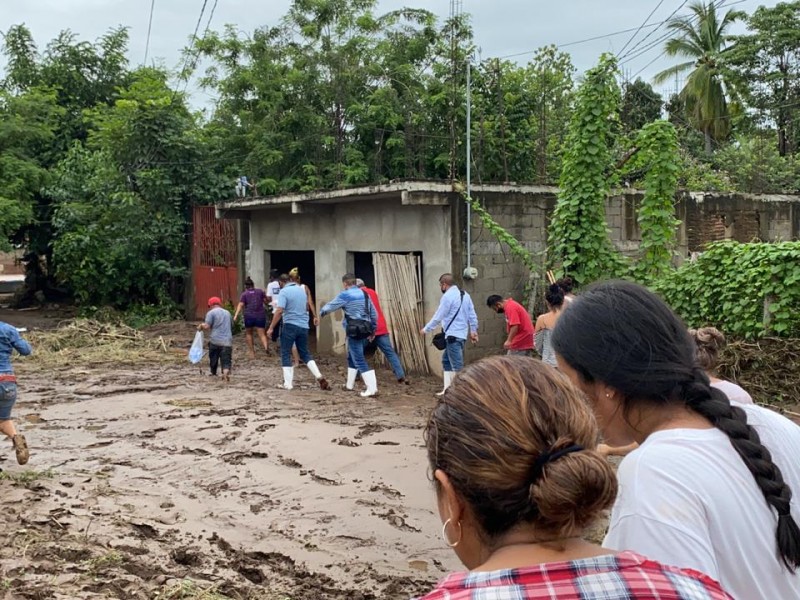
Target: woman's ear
450, 505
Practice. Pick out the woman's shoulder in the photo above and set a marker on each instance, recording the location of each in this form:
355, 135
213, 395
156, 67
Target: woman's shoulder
620, 575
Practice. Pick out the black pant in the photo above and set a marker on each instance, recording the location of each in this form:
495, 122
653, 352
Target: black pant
217, 354
276, 332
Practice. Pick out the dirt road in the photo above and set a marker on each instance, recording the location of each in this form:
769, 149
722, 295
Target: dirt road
154, 481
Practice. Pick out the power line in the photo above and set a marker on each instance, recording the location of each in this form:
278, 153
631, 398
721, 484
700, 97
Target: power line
193, 40
583, 41
663, 52
645, 38
149, 29
638, 29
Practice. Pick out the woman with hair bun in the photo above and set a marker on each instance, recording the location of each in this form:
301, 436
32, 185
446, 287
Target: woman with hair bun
510, 446
554, 297
713, 485
710, 341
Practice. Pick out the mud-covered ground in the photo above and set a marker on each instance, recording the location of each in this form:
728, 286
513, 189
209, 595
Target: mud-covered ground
157, 481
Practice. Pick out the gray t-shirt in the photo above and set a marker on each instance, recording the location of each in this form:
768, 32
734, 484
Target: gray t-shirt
221, 326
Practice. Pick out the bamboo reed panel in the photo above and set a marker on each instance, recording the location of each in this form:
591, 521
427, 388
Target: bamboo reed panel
398, 282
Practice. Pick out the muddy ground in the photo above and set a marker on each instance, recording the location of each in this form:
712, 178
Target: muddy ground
157, 481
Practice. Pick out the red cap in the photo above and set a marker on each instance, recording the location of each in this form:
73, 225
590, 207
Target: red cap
214, 300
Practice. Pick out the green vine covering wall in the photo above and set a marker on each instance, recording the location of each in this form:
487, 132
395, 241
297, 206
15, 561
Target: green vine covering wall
658, 143
504, 237
749, 290
579, 243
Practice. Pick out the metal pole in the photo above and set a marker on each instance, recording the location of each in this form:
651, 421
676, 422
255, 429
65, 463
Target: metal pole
469, 167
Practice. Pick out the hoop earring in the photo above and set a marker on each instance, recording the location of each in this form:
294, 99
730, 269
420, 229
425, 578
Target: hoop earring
444, 534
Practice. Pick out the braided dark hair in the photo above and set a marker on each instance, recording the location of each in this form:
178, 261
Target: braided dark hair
624, 335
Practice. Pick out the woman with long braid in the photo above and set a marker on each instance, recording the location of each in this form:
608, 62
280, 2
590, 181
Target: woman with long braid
710, 486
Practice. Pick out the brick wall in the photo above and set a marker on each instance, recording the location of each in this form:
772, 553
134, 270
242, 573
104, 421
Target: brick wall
705, 218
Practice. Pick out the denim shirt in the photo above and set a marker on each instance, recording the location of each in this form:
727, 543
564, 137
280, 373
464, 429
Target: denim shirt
462, 314
10, 340
352, 301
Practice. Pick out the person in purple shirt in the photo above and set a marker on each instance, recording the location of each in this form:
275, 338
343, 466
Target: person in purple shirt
10, 340
253, 302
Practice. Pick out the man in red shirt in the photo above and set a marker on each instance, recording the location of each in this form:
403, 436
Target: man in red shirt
518, 325
382, 341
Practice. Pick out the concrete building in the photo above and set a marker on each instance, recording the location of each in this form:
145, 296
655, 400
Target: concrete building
326, 234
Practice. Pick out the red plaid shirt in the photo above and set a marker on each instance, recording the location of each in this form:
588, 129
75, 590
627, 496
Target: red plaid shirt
624, 576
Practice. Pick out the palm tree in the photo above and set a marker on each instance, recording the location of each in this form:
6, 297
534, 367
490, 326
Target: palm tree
702, 38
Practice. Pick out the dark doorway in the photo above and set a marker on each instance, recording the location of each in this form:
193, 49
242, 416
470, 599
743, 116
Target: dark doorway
286, 260
303, 260
361, 264
363, 269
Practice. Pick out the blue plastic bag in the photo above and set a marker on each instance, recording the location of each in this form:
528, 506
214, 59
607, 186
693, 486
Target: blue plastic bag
196, 352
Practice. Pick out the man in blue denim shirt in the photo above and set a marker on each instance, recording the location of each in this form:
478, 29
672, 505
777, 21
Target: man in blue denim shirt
357, 306
456, 315
10, 340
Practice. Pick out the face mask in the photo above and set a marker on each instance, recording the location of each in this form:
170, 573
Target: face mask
500, 311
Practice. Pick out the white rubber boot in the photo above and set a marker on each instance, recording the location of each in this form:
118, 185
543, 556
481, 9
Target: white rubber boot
323, 383
372, 384
351, 379
288, 378
448, 379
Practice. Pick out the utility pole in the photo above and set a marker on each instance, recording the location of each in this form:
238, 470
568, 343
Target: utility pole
469, 168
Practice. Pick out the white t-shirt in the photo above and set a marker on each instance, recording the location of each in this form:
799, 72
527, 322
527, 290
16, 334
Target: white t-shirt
733, 392
686, 499
273, 290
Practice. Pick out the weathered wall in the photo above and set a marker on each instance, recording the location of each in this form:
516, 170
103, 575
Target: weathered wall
355, 227
704, 218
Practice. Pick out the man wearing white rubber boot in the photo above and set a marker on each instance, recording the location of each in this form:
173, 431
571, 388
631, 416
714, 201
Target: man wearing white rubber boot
456, 314
360, 322
293, 309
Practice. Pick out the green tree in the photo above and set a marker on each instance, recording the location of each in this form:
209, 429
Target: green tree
123, 199
767, 63
75, 76
704, 40
641, 105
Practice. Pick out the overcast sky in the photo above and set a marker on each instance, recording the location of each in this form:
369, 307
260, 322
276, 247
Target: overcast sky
502, 27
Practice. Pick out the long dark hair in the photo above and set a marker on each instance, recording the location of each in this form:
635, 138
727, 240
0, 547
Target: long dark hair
622, 334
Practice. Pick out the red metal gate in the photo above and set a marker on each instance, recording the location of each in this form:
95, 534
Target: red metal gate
213, 259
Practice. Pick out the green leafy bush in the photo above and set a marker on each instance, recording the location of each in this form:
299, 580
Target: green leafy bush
748, 290
754, 165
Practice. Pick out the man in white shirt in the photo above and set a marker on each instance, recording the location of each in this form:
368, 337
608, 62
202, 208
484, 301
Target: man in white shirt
273, 291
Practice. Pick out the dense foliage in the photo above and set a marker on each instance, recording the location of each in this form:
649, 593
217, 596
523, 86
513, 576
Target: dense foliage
748, 290
101, 162
579, 243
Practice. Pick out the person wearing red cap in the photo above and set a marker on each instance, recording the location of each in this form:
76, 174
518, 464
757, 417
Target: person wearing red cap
220, 340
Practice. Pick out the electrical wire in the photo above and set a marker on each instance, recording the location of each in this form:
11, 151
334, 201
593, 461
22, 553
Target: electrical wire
149, 29
645, 38
638, 29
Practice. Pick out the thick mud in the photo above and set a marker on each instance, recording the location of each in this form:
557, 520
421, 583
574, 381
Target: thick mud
161, 482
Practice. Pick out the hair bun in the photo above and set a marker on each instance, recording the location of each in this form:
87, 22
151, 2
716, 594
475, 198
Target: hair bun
574, 490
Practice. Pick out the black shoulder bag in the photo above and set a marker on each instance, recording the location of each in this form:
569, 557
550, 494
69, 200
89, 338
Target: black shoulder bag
359, 329
440, 339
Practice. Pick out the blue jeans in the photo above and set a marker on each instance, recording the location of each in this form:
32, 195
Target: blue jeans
453, 355
292, 335
384, 344
355, 355
8, 396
